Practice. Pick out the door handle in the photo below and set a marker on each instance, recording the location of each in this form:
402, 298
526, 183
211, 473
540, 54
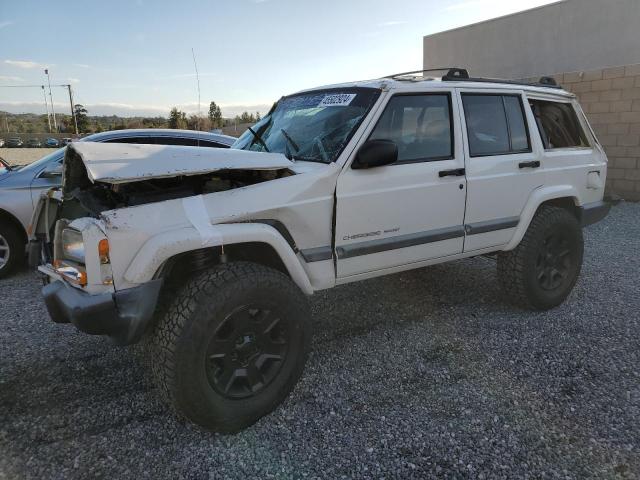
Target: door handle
456, 172
531, 164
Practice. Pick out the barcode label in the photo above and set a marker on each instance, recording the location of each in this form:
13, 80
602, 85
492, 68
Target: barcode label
337, 100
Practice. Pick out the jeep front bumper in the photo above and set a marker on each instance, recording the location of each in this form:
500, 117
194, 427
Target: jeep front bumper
123, 315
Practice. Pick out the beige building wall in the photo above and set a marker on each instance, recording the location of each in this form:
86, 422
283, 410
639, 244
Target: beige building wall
591, 47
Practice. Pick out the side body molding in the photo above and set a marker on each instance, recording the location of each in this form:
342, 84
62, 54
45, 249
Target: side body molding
538, 197
161, 247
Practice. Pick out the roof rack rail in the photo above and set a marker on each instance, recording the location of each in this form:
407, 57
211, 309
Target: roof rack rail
545, 82
455, 74
452, 72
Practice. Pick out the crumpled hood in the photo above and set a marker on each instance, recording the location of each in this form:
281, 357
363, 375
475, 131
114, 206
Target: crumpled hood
123, 163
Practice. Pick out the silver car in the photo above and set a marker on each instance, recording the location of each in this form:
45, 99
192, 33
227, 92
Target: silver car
21, 186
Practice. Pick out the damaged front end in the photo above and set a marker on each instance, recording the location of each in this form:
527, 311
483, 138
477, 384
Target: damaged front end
69, 234
104, 177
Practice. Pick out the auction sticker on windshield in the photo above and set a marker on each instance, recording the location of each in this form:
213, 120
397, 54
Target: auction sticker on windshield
337, 100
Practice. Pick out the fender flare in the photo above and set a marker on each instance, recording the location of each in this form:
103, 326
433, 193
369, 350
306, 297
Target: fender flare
537, 198
160, 248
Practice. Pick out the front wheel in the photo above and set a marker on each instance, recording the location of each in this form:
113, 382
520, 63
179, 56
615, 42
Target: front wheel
231, 345
543, 269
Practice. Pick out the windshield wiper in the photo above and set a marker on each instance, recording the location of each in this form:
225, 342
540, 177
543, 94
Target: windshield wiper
290, 142
258, 138
5, 164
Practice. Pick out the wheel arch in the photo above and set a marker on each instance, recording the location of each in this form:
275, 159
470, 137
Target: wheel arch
563, 196
8, 217
255, 242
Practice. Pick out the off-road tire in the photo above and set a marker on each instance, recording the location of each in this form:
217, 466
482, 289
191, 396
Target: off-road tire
15, 244
178, 345
519, 269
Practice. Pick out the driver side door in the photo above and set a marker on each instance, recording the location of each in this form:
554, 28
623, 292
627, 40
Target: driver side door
392, 217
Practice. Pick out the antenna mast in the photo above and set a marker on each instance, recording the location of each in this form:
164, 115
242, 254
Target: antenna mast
198, 83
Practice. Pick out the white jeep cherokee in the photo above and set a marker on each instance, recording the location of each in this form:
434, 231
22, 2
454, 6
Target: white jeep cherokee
208, 255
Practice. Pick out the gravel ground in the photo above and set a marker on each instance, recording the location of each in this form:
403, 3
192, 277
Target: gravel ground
421, 374
23, 156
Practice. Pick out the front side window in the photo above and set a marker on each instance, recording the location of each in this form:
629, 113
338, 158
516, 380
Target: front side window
313, 126
558, 125
420, 125
495, 125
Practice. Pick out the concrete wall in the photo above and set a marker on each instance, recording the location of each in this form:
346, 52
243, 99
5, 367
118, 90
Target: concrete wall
567, 36
591, 47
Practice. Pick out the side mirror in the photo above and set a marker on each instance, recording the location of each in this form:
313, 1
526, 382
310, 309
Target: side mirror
375, 153
52, 171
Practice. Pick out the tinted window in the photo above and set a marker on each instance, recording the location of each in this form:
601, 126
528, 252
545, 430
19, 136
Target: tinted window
558, 125
517, 126
205, 143
420, 125
185, 142
144, 140
495, 124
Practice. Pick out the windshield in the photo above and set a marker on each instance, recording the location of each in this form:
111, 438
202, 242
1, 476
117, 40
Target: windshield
52, 157
312, 126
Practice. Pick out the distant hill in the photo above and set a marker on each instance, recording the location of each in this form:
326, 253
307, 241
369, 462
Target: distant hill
31, 124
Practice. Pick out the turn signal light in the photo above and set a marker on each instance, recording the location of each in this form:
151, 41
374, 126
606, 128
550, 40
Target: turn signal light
82, 278
103, 250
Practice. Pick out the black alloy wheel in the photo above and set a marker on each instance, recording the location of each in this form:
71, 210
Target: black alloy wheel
246, 352
554, 261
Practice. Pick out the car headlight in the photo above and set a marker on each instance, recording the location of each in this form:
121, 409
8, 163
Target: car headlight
73, 245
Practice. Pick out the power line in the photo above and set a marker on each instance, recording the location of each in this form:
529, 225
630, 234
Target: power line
64, 85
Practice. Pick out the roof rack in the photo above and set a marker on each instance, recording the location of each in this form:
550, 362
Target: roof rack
455, 74
545, 82
451, 71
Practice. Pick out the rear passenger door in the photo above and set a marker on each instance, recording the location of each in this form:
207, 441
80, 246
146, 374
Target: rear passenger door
503, 164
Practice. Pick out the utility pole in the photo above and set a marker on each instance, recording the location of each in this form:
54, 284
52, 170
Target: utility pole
73, 110
53, 112
46, 106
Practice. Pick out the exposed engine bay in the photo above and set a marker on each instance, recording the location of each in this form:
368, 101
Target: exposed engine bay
83, 197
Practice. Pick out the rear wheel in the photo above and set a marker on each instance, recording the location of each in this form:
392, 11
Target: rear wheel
231, 345
543, 269
11, 249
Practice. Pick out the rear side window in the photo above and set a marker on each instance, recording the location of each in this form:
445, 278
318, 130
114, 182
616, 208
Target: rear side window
495, 124
420, 125
558, 125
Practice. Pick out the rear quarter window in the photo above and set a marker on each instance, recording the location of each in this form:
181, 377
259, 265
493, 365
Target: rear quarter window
558, 125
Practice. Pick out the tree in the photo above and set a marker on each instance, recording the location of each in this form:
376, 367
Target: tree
215, 115
197, 122
81, 118
177, 119
257, 116
247, 117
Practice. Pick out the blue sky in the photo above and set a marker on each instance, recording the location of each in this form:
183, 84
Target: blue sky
134, 57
